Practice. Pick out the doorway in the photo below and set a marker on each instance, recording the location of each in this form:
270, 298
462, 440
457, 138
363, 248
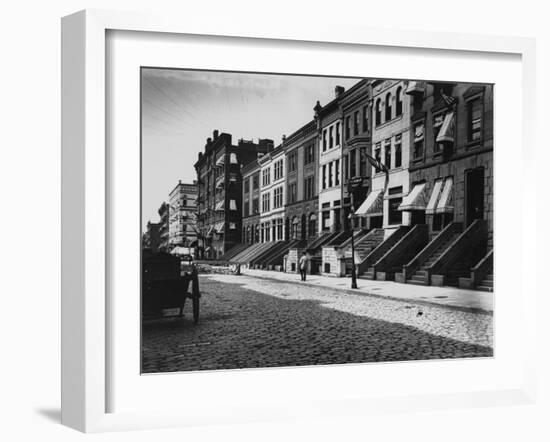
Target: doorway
474, 204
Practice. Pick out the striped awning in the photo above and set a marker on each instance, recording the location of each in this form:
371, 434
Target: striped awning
416, 199
447, 131
219, 206
373, 204
445, 203
434, 197
232, 204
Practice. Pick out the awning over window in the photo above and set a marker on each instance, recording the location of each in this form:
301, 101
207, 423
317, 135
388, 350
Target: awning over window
416, 199
445, 203
232, 204
447, 131
233, 158
373, 204
219, 206
219, 227
415, 87
220, 160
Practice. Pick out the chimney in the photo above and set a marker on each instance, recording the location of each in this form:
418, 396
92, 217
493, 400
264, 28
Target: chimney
284, 138
338, 90
216, 134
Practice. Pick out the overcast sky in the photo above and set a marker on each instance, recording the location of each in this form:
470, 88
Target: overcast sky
180, 109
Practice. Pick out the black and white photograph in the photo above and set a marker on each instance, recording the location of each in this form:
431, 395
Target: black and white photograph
302, 220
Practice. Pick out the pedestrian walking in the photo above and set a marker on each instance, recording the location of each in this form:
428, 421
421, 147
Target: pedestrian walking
303, 266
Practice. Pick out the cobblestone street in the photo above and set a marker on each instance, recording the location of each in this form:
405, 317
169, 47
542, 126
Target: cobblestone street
253, 322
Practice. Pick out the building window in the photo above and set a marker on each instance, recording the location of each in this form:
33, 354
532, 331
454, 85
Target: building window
246, 185
474, 120
246, 208
362, 164
337, 173
330, 174
255, 206
291, 197
330, 137
398, 155
312, 225
399, 102
365, 119
279, 229
255, 181
325, 220
356, 123
418, 150
346, 167
309, 154
378, 112
394, 215
337, 141
266, 177
309, 189
347, 127
324, 182
387, 154
292, 162
265, 203
377, 155
388, 107
438, 122
324, 140
277, 198
278, 170
352, 163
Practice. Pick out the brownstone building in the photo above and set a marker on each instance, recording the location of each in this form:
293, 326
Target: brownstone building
451, 160
219, 200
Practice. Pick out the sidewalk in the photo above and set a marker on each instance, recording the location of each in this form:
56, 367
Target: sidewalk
445, 296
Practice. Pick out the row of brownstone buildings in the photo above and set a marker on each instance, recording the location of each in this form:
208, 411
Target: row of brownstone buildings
404, 166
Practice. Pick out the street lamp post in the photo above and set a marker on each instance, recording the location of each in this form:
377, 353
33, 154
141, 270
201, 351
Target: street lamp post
352, 219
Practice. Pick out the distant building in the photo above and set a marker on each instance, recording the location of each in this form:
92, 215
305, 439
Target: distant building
183, 222
151, 237
272, 195
302, 164
164, 227
251, 202
219, 200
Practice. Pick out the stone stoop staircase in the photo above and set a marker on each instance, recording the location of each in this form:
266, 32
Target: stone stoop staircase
366, 244
421, 276
487, 283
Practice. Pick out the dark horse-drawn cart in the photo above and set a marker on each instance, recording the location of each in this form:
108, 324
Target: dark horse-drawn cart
167, 283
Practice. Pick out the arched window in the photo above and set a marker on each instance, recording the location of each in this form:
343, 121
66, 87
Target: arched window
399, 102
378, 112
388, 107
312, 225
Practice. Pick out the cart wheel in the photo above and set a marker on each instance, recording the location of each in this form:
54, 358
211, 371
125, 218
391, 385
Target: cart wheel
196, 309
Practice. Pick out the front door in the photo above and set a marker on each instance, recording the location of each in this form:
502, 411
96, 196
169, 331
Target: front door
474, 194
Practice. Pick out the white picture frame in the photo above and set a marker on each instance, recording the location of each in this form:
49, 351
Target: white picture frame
85, 312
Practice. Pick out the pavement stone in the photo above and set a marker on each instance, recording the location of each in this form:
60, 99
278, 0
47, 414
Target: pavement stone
247, 322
